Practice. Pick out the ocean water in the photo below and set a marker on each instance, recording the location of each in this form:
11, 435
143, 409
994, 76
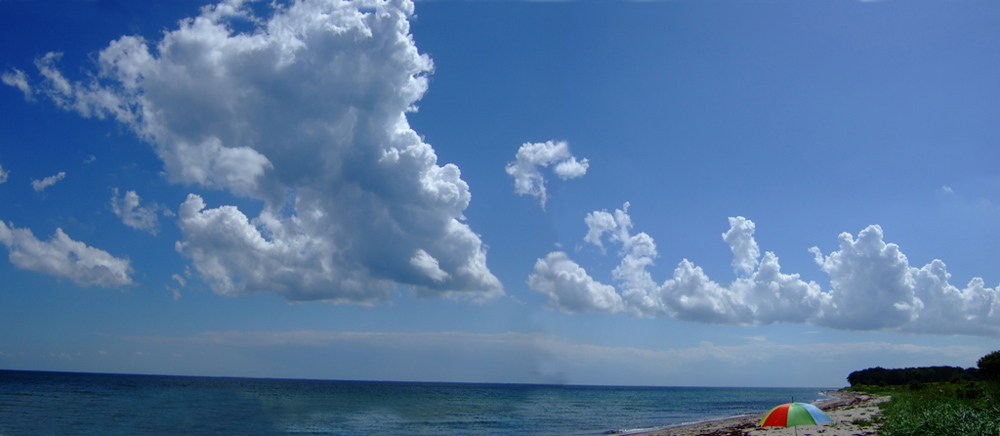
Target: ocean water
48, 403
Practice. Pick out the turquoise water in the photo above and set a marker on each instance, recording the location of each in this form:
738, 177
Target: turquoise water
44, 403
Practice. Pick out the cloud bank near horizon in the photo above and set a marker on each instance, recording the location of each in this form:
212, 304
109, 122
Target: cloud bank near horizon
550, 358
872, 285
305, 113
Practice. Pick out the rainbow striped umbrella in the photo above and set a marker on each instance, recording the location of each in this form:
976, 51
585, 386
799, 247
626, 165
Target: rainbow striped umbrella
794, 414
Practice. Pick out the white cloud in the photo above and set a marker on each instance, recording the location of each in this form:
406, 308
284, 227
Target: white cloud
428, 265
174, 292
741, 242
639, 292
64, 257
570, 288
767, 296
3, 174
40, 185
306, 112
234, 257
946, 309
872, 284
764, 295
617, 226
528, 180
140, 218
180, 280
873, 287
19, 80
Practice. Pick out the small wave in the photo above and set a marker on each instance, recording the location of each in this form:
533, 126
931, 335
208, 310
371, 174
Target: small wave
628, 431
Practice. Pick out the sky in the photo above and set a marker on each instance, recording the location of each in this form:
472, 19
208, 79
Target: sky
676, 193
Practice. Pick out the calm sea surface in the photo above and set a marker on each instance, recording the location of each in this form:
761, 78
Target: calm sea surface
46, 403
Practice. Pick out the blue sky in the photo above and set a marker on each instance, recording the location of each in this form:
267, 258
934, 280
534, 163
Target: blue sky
665, 193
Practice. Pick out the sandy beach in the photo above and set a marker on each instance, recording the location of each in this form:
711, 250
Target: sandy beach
847, 409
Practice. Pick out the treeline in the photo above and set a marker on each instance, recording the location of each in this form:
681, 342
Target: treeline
879, 376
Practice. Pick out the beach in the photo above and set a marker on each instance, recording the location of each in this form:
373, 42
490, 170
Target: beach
851, 412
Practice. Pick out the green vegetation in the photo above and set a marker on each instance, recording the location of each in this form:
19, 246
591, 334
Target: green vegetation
861, 422
879, 376
938, 410
966, 403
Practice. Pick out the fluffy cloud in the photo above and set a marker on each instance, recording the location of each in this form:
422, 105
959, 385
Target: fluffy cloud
638, 289
19, 80
570, 288
767, 296
741, 242
528, 179
3, 174
947, 309
305, 112
64, 257
40, 185
137, 217
872, 285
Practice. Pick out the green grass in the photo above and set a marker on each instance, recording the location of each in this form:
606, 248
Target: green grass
939, 409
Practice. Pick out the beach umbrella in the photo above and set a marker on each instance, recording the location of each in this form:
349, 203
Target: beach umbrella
794, 414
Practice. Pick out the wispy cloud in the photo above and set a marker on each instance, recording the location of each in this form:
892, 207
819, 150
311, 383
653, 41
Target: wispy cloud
554, 355
143, 218
64, 356
19, 80
40, 185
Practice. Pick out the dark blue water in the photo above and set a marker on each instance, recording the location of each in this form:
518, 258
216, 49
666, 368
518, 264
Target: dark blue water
45, 403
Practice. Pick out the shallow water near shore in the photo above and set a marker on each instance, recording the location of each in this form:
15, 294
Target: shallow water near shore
105, 404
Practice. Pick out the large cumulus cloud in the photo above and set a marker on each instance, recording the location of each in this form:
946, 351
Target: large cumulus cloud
306, 113
872, 286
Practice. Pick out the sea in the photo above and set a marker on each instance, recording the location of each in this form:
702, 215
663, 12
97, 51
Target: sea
54, 403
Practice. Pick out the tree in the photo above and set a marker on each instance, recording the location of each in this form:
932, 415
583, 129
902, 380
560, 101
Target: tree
989, 366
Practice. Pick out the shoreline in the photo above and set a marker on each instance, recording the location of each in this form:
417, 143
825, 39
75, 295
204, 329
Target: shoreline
845, 408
